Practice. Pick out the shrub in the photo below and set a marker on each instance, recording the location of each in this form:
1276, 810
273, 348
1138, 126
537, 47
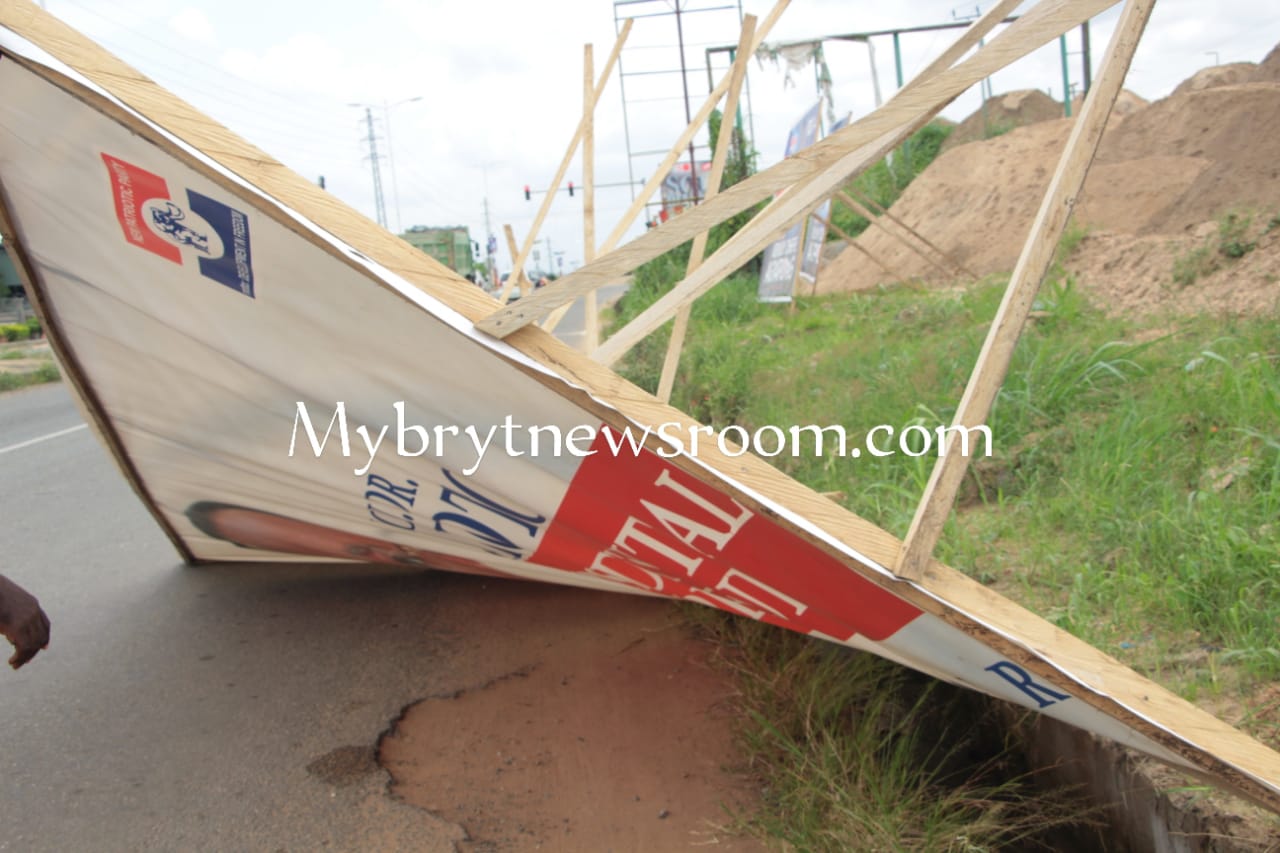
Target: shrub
15, 331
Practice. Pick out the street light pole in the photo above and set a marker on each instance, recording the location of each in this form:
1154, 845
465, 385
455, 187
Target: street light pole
391, 155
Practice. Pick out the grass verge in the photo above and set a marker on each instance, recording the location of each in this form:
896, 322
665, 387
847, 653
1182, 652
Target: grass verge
46, 372
1132, 498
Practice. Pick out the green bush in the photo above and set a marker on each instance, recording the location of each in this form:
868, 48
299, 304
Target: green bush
34, 329
15, 331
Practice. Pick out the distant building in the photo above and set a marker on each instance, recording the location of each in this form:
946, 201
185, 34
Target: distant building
450, 246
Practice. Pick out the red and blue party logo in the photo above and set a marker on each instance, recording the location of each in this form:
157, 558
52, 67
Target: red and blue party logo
214, 235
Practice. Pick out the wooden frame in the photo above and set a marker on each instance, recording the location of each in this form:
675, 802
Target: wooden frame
812, 174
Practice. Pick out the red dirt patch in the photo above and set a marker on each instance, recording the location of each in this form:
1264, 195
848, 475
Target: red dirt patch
609, 733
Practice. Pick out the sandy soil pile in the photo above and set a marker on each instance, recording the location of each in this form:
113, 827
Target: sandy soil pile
1165, 175
1003, 113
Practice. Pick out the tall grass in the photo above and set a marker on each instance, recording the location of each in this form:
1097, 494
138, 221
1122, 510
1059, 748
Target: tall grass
856, 753
1133, 493
1133, 498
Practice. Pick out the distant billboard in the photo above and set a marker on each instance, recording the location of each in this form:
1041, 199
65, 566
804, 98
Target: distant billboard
684, 185
781, 259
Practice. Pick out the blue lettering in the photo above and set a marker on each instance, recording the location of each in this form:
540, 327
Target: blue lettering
496, 543
400, 497
528, 522
1021, 679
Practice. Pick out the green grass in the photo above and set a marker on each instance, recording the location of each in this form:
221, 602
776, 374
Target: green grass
1237, 237
47, 372
1134, 490
1133, 496
856, 753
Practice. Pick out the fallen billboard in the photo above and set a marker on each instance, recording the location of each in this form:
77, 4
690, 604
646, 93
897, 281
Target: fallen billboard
279, 378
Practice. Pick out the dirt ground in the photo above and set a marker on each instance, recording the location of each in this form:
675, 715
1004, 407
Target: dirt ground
598, 725
1166, 176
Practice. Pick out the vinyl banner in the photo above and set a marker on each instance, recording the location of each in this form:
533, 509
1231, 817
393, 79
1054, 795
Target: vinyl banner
781, 259
277, 393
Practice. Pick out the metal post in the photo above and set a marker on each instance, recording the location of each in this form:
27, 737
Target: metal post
688, 114
1066, 78
391, 154
1087, 60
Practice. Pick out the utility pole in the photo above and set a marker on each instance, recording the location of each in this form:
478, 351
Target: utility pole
379, 204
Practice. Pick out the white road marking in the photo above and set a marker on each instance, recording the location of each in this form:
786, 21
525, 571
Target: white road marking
32, 441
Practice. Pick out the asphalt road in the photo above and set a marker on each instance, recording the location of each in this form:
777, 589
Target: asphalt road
180, 708
228, 707
573, 327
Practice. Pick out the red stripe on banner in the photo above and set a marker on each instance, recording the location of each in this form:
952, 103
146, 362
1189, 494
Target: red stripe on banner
639, 520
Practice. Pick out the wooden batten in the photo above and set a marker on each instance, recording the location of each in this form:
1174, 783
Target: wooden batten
517, 273
852, 243
681, 144
724, 140
518, 259
875, 222
997, 352
888, 214
591, 313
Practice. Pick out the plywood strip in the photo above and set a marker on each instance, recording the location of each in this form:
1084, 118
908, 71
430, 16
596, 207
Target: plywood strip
1037, 254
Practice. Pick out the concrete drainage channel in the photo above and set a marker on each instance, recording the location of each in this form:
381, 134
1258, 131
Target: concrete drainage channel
1142, 805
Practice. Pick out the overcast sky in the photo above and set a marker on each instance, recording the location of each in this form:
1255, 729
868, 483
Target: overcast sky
500, 85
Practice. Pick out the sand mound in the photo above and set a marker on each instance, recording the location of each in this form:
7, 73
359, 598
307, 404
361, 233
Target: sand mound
1164, 171
1002, 114
1218, 75
1269, 68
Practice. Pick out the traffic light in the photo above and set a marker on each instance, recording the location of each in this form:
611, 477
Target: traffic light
527, 196
571, 188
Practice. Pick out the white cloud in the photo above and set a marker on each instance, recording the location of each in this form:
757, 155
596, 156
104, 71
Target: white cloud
193, 24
